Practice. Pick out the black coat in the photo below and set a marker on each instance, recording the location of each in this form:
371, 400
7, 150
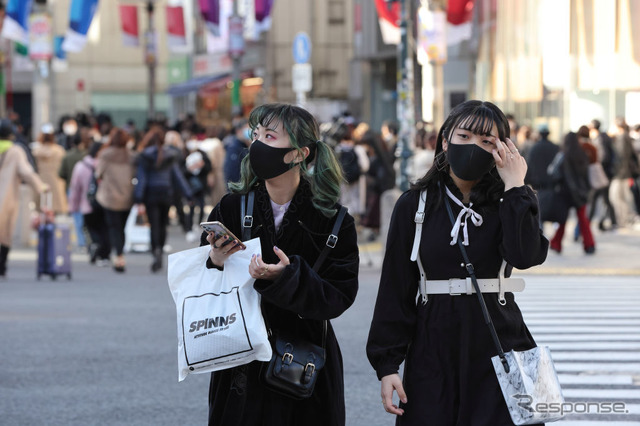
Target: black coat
297, 303
539, 157
446, 346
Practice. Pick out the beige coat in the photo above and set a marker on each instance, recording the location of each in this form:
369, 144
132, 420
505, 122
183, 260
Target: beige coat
14, 169
49, 158
115, 171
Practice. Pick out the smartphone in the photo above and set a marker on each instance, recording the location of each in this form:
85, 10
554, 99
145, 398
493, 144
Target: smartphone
219, 230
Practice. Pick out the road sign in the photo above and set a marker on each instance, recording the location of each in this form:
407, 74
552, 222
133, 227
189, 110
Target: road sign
301, 78
301, 48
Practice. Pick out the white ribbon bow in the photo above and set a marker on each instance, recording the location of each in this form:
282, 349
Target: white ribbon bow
461, 220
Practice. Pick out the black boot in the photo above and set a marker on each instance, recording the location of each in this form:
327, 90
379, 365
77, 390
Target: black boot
4, 253
157, 260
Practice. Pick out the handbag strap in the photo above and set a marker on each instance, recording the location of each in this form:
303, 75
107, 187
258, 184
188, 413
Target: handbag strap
247, 219
247, 222
483, 305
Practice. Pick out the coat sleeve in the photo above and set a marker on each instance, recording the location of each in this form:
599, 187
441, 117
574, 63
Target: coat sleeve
523, 243
75, 188
27, 173
323, 295
394, 317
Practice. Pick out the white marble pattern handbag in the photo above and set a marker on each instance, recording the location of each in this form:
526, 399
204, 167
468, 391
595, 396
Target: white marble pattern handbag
530, 386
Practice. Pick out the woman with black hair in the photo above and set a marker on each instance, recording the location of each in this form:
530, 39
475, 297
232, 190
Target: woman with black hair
449, 379
570, 173
159, 176
295, 179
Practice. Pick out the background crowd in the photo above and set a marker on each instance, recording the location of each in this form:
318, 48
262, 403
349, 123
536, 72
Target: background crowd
100, 174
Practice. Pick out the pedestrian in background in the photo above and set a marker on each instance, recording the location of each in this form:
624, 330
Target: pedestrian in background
424, 151
294, 212
80, 142
197, 167
14, 168
570, 171
49, 155
608, 158
93, 216
627, 169
380, 178
173, 140
354, 161
445, 345
114, 170
158, 175
237, 147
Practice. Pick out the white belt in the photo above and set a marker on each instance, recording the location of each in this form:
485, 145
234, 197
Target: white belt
458, 286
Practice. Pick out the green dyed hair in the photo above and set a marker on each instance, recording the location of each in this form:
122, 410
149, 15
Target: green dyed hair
326, 174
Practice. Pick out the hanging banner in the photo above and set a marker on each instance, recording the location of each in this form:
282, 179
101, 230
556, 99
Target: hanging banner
80, 16
210, 11
129, 22
388, 17
16, 21
459, 17
263, 14
176, 34
432, 40
40, 37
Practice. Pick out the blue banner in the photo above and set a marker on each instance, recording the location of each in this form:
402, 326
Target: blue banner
80, 16
16, 20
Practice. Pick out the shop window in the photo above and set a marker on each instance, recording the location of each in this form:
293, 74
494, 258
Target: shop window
336, 12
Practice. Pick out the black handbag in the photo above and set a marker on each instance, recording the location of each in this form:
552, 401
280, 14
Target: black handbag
294, 366
295, 363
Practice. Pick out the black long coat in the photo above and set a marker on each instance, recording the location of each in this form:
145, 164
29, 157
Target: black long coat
297, 303
449, 378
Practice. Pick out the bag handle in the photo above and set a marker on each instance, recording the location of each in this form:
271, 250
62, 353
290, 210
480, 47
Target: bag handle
483, 305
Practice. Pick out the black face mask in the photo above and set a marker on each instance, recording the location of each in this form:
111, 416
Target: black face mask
266, 161
469, 162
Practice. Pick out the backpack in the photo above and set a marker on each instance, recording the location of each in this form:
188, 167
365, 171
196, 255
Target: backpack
92, 189
349, 162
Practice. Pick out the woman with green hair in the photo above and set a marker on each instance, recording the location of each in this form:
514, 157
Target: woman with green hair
295, 179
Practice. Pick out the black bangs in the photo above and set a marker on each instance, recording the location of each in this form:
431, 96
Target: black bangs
480, 121
265, 115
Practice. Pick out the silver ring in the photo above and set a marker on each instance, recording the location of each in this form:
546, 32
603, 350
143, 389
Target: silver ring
262, 274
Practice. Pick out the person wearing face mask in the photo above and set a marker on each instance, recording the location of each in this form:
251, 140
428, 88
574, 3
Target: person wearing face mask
236, 146
295, 180
449, 379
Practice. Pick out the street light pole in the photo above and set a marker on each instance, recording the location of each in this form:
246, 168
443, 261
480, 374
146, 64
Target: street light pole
150, 58
405, 100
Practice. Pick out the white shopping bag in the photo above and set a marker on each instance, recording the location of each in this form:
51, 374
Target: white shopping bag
220, 323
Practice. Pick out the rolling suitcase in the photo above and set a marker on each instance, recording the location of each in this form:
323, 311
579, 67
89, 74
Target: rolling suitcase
54, 247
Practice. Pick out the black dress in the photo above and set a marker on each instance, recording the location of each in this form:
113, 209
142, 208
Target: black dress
237, 396
446, 346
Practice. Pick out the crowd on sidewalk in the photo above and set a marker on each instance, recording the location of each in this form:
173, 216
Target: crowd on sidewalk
99, 174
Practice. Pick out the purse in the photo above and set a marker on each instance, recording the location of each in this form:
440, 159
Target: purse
528, 379
295, 364
597, 177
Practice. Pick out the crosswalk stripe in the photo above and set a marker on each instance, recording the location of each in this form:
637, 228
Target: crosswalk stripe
595, 356
592, 326
594, 379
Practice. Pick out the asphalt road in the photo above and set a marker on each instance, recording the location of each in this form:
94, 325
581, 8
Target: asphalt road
101, 349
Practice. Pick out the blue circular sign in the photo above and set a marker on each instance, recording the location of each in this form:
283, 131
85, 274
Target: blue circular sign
301, 48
